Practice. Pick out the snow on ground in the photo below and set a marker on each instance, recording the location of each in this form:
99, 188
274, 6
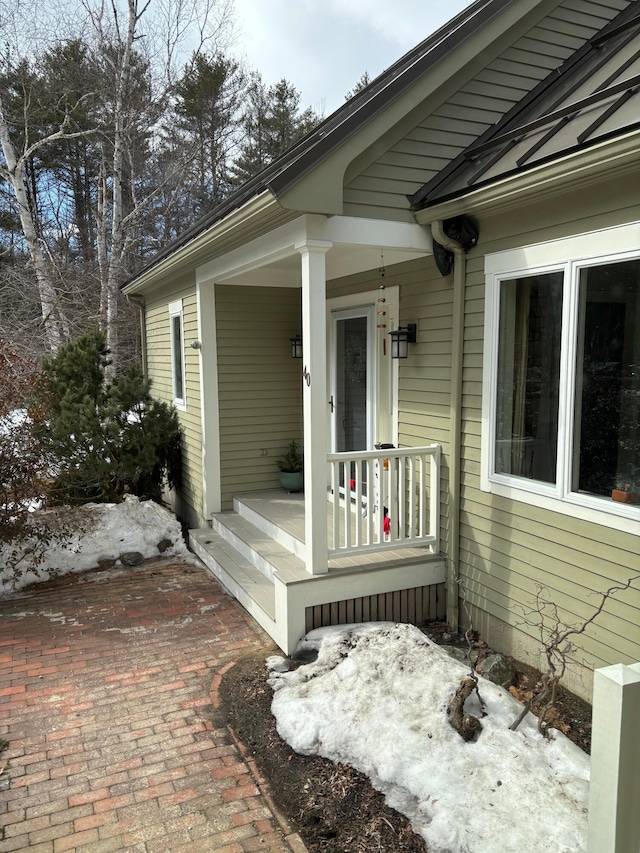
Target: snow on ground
376, 699
100, 532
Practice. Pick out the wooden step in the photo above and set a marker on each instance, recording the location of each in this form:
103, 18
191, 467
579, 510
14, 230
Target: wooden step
278, 514
256, 546
238, 575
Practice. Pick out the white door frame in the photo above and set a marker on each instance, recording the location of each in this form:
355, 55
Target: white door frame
383, 375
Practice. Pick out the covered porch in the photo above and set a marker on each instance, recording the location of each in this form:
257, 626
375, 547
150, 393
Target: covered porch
368, 522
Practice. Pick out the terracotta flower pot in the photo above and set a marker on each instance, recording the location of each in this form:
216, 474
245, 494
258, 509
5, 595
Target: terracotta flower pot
625, 497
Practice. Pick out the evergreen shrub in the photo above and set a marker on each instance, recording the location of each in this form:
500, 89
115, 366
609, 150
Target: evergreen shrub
109, 437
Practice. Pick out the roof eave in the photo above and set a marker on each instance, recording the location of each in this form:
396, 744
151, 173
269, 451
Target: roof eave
188, 254
587, 165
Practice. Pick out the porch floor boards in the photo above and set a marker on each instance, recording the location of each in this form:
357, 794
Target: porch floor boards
286, 511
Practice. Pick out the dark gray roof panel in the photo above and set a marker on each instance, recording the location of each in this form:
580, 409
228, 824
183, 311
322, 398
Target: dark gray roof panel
594, 96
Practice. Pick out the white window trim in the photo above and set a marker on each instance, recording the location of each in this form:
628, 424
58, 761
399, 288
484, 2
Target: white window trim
176, 310
567, 255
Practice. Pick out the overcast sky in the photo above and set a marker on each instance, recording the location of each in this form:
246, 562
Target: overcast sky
324, 46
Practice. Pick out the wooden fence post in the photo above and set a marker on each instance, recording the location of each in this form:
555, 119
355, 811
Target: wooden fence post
614, 793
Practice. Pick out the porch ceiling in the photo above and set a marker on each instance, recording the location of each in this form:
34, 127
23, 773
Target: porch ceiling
354, 245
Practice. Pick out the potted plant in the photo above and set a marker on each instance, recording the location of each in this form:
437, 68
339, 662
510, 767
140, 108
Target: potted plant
625, 492
291, 469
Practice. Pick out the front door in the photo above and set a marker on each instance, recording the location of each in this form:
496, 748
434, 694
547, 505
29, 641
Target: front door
352, 379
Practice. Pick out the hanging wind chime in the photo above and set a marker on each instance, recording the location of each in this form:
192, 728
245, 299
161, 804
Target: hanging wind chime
381, 312
381, 325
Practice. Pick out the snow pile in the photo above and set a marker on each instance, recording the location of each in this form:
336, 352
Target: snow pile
101, 532
376, 699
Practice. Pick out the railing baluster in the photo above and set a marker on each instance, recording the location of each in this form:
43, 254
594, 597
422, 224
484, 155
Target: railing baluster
347, 504
383, 500
372, 497
434, 521
356, 507
394, 509
409, 493
423, 531
411, 527
401, 532
335, 487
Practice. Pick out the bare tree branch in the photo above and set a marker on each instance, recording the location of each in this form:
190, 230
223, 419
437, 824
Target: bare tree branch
555, 637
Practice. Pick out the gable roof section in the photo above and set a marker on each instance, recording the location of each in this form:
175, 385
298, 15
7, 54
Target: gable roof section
520, 35
346, 120
378, 182
592, 98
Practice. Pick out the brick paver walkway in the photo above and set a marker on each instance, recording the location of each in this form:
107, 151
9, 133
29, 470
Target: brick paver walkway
114, 742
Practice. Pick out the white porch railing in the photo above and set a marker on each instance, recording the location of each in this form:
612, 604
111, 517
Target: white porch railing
384, 499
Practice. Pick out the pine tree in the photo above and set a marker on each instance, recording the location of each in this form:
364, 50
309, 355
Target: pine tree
208, 98
108, 438
272, 123
361, 84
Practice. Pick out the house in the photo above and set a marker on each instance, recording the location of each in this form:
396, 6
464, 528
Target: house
477, 206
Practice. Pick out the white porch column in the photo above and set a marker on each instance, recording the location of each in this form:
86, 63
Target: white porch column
314, 387
209, 401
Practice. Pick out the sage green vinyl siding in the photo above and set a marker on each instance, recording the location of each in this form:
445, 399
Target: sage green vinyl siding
380, 188
260, 385
159, 372
424, 380
509, 548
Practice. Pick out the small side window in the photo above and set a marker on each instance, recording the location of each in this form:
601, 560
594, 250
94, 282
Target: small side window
177, 352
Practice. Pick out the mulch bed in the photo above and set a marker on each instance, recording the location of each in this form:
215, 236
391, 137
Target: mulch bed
333, 806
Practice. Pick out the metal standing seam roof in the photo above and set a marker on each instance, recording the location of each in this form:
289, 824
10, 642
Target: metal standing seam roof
594, 96
346, 120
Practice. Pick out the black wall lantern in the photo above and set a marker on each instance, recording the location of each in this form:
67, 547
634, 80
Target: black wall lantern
296, 346
401, 338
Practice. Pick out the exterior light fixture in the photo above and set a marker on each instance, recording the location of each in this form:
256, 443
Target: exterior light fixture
296, 346
401, 338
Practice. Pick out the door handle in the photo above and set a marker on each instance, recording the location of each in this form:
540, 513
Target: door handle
331, 403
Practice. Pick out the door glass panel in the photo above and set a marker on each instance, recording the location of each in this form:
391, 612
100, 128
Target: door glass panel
351, 384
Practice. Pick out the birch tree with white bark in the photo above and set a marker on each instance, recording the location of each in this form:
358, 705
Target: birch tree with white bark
136, 48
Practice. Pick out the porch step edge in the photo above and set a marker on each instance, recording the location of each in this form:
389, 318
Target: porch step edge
237, 575
257, 547
284, 531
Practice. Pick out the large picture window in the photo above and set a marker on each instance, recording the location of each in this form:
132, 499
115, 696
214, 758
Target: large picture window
606, 433
529, 377
561, 408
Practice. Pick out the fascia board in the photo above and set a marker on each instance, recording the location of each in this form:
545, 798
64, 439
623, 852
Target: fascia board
187, 256
283, 242
266, 249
